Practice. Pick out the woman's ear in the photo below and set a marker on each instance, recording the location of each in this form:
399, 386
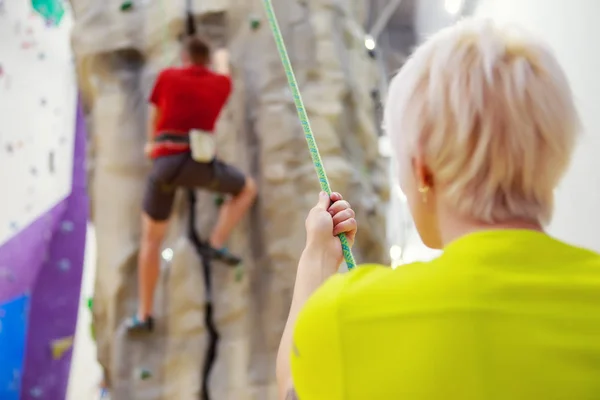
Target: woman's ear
423, 176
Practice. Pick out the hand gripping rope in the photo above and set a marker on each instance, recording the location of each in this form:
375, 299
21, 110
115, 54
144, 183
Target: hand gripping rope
310, 139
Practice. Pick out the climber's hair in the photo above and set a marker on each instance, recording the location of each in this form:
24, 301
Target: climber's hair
197, 49
490, 111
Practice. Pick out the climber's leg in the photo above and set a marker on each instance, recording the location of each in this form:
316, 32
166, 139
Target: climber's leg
158, 203
223, 178
231, 212
153, 233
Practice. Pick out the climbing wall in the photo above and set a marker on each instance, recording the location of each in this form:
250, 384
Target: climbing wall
120, 50
44, 205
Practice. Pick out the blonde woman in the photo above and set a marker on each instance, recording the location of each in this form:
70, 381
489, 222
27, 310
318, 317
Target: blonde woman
483, 126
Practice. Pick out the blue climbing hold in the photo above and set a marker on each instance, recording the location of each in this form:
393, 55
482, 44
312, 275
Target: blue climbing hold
64, 264
13, 320
67, 226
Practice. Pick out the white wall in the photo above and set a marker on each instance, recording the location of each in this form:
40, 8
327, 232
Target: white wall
572, 28
38, 96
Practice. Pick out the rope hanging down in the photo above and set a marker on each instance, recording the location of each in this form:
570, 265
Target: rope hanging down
310, 139
204, 253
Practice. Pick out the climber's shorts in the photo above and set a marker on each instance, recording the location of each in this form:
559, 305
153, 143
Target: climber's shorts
179, 170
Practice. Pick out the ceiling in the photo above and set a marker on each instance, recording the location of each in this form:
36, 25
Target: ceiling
398, 37
402, 17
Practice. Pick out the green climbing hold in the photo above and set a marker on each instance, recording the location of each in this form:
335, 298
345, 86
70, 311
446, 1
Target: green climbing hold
52, 10
126, 5
219, 200
144, 374
90, 303
254, 22
239, 273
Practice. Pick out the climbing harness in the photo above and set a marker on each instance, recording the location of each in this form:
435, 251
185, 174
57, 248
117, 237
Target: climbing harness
310, 139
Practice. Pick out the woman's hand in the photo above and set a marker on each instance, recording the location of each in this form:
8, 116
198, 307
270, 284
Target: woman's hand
329, 218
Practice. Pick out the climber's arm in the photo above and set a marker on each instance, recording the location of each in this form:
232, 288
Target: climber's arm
220, 62
222, 85
154, 111
153, 118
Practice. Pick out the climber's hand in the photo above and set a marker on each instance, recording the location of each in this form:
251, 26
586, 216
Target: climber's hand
148, 149
329, 218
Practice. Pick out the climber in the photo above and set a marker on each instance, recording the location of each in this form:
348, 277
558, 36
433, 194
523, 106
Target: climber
184, 107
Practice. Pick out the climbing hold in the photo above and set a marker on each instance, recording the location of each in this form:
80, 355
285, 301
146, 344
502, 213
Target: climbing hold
52, 10
41, 56
67, 226
60, 346
51, 166
90, 303
143, 373
255, 22
64, 264
126, 5
239, 273
7, 274
43, 101
219, 200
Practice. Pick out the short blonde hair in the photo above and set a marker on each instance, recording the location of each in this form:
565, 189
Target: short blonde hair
491, 111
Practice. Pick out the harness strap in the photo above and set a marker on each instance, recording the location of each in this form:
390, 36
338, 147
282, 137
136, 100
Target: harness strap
172, 137
176, 137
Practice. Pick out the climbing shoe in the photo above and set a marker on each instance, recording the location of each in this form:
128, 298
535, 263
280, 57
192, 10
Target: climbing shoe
225, 256
135, 325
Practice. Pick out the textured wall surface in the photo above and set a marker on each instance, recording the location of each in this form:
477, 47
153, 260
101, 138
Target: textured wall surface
119, 55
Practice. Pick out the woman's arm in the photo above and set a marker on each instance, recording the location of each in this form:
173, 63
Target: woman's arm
308, 279
319, 261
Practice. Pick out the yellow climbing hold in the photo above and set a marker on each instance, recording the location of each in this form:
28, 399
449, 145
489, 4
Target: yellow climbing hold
60, 346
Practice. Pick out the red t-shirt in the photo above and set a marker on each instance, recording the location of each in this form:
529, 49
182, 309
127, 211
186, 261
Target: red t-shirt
187, 98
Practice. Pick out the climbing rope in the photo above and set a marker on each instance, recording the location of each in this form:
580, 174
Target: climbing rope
308, 134
204, 253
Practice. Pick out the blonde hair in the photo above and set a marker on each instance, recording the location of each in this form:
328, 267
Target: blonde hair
491, 111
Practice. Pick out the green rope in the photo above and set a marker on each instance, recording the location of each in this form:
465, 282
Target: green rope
310, 139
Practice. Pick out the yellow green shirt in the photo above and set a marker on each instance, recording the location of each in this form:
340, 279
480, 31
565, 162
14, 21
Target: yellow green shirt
501, 315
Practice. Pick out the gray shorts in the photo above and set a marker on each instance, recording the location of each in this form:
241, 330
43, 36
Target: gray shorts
179, 170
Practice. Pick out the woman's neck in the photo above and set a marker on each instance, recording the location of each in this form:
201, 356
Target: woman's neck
452, 227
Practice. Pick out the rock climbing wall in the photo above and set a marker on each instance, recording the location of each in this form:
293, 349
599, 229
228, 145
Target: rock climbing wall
119, 55
44, 203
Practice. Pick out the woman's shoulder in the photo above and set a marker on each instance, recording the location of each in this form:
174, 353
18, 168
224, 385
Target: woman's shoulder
374, 285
